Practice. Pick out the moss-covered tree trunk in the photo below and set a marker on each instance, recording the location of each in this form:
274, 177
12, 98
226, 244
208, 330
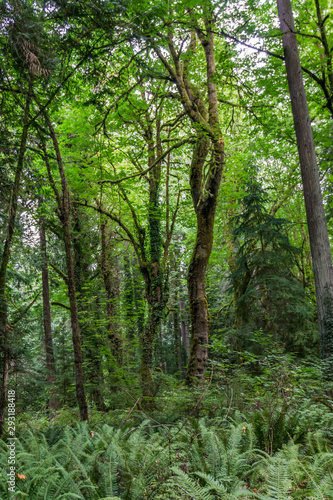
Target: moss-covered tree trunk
176, 324
184, 327
89, 333
152, 271
201, 106
205, 208
155, 312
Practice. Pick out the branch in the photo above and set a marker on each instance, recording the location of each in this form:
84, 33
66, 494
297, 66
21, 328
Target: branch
273, 54
156, 162
121, 224
50, 176
16, 320
60, 304
124, 94
170, 232
58, 271
60, 86
136, 222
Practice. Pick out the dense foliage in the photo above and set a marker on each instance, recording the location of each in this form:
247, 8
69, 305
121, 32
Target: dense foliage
158, 308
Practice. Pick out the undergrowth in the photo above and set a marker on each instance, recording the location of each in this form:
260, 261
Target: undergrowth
255, 432
151, 461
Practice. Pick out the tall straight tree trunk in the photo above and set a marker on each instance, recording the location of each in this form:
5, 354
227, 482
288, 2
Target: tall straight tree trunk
113, 335
184, 329
318, 235
65, 218
156, 290
49, 354
91, 341
4, 341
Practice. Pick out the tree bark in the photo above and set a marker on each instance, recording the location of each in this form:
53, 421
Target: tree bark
205, 207
203, 113
90, 336
4, 327
49, 354
153, 271
65, 218
114, 338
184, 329
318, 235
177, 332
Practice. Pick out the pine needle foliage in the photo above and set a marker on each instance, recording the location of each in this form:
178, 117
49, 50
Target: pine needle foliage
268, 295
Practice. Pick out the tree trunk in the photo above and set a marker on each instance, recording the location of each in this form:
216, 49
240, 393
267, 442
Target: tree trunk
177, 333
64, 208
153, 271
205, 208
175, 313
4, 327
114, 338
90, 336
184, 329
319, 241
147, 341
50, 362
203, 112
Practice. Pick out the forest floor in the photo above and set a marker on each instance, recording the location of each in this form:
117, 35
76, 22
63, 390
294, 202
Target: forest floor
252, 432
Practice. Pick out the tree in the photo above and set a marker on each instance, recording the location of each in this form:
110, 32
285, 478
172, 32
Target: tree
319, 241
50, 361
153, 126
64, 208
269, 297
205, 176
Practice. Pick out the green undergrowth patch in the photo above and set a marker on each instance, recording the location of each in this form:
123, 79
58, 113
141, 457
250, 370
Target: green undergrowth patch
191, 459
261, 429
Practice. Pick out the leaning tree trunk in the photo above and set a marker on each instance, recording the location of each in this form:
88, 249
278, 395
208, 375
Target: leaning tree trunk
318, 235
49, 354
4, 327
65, 218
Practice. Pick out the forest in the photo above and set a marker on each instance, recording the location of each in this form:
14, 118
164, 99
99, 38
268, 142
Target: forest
166, 279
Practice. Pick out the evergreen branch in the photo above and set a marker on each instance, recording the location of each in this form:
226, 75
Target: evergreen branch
44, 107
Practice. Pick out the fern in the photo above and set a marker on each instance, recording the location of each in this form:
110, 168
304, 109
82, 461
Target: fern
190, 487
195, 461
